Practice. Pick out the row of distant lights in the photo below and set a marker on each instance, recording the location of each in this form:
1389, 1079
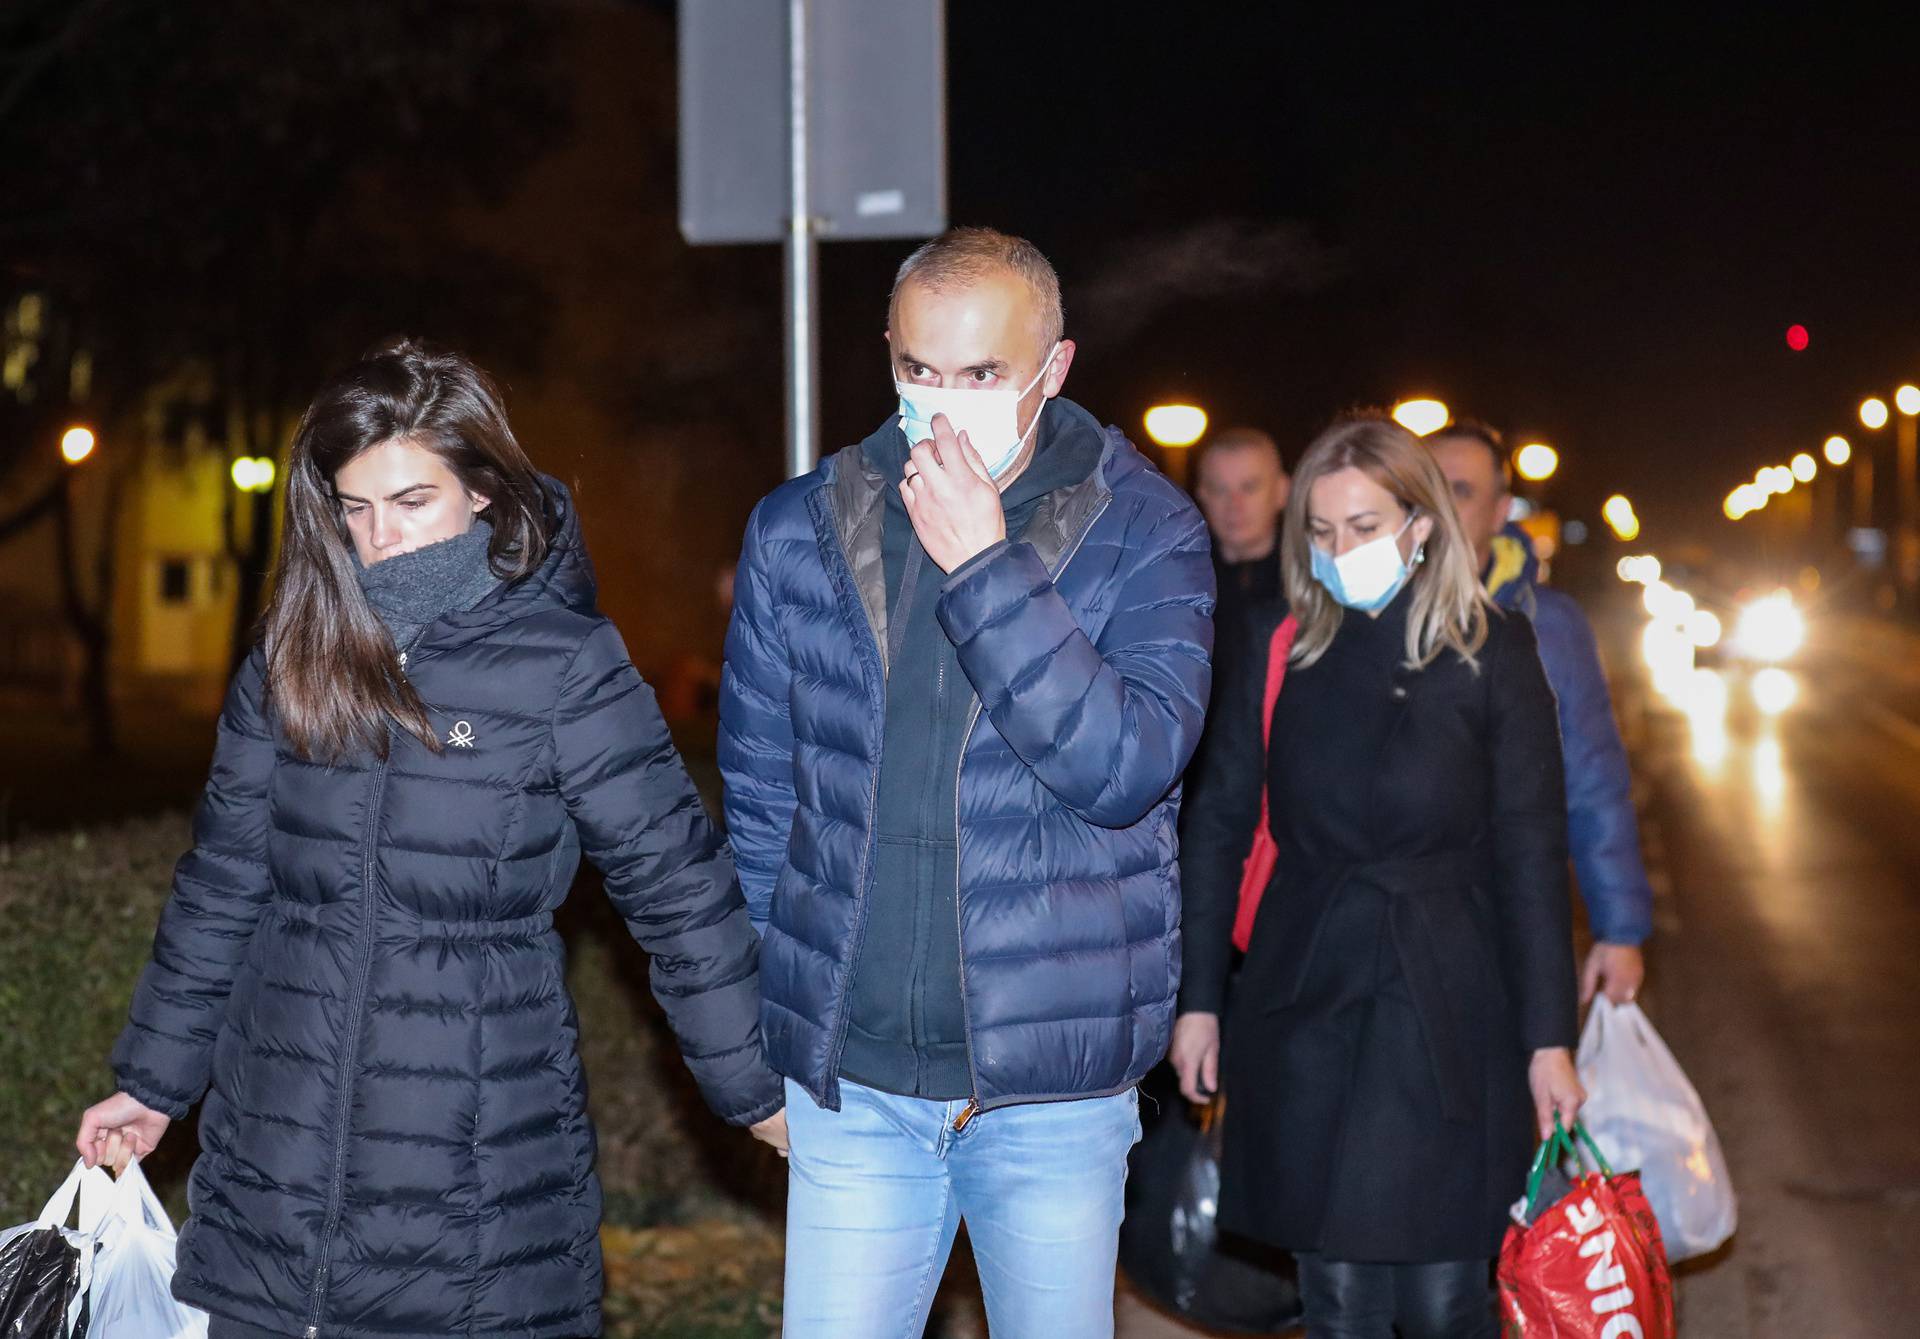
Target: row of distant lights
1779, 480
251, 474
1667, 603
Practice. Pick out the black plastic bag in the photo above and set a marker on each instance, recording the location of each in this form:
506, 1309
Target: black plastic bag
40, 1276
45, 1268
1169, 1245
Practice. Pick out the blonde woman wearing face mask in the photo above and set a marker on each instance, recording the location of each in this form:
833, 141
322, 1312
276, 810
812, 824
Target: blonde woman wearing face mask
1403, 1018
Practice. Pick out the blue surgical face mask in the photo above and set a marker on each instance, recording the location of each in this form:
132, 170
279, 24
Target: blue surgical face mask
990, 418
1367, 576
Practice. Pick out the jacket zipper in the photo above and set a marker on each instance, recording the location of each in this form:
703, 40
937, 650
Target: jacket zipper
350, 1054
845, 1020
973, 1107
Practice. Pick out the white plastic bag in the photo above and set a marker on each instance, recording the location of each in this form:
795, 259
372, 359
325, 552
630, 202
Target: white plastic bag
1645, 1115
131, 1296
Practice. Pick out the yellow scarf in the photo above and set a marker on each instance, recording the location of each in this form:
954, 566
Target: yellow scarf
1509, 561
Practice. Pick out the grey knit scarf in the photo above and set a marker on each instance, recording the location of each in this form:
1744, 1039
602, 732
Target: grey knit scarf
411, 590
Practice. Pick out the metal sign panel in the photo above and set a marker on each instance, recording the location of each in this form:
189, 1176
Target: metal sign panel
876, 119
733, 120
878, 122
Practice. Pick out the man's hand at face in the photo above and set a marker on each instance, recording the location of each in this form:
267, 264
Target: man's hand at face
952, 501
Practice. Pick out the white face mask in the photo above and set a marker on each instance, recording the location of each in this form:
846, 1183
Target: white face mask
991, 418
1367, 576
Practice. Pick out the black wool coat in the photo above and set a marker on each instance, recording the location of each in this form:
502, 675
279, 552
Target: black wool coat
1412, 952
358, 968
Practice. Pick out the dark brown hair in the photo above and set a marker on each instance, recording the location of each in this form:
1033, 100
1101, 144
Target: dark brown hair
1477, 430
332, 677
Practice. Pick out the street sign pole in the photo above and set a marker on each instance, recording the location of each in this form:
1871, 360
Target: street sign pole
1906, 467
802, 263
809, 119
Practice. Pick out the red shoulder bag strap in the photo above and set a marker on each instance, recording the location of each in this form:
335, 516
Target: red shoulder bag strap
1257, 872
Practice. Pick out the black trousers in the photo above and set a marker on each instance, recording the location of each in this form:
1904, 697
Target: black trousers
1449, 1299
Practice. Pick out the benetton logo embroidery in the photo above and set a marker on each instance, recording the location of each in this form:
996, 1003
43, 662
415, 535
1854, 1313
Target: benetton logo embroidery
461, 736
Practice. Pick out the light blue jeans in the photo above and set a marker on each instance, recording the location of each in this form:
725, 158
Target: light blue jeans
876, 1191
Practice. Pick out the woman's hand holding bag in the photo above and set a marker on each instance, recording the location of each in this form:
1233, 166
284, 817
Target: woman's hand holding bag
1555, 1084
115, 1132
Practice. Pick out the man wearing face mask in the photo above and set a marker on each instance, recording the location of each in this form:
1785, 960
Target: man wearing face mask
968, 663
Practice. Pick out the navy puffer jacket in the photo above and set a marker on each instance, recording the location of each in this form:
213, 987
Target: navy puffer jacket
360, 961
1086, 643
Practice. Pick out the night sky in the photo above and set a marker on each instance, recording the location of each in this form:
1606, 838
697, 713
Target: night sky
1584, 227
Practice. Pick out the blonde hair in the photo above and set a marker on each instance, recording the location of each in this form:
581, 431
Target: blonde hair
1449, 610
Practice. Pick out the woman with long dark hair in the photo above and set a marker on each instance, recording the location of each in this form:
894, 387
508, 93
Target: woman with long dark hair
357, 968
1401, 1024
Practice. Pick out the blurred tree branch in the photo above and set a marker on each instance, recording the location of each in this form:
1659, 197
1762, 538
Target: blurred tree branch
254, 191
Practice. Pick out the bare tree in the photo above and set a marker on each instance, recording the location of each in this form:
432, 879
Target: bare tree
258, 189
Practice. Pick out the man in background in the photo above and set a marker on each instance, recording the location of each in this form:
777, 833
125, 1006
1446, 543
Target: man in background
1602, 831
1242, 490
1242, 487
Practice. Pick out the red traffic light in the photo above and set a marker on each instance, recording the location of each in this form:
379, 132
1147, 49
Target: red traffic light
1796, 337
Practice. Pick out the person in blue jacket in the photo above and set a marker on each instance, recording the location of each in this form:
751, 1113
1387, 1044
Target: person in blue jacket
1602, 832
968, 663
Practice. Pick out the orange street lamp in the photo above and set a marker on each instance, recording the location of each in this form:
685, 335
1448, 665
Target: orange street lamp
1873, 412
1536, 461
1176, 424
1837, 451
1620, 516
76, 444
253, 474
1422, 418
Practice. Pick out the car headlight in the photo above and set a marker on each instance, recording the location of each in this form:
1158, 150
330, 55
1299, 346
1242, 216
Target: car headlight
1770, 629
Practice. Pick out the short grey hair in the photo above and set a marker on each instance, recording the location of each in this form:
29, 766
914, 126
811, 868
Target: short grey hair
959, 256
1244, 439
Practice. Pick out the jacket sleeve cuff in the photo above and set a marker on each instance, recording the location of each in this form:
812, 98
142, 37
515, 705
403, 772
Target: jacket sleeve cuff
154, 1100
1202, 997
770, 1105
979, 560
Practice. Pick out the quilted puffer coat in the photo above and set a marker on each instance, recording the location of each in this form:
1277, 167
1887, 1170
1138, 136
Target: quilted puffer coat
1086, 644
361, 961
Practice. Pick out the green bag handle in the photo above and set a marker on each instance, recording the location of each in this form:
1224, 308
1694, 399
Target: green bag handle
1557, 1147
1599, 1158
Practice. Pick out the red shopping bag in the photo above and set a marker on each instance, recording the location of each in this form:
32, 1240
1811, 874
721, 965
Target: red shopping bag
1589, 1266
1257, 872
